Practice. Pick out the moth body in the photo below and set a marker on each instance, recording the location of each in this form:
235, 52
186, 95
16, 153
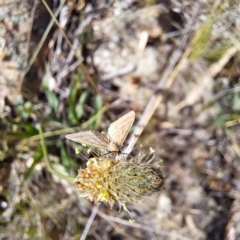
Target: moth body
113, 140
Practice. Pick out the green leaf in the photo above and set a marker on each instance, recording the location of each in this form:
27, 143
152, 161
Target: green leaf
22, 108
216, 53
52, 100
19, 100
202, 40
236, 102
98, 103
18, 135
75, 89
64, 156
79, 109
30, 129
60, 168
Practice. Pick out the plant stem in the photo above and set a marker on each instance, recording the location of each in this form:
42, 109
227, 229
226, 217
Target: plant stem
46, 159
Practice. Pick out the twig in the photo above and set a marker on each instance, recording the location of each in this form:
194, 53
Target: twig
71, 47
29, 38
215, 68
66, 71
141, 226
120, 230
234, 142
83, 25
43, 39
90, 221
121, 72
166, 81
7, 214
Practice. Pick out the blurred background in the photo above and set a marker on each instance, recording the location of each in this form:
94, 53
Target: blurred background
76, 65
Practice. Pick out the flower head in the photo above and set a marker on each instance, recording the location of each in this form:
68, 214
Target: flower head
109, 180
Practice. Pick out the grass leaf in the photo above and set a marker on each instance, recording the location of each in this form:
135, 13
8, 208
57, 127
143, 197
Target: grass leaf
52, 100
79, 109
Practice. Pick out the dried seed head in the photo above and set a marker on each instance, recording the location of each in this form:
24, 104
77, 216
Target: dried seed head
109, 180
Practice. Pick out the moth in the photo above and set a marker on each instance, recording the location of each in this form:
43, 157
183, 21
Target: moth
113, 140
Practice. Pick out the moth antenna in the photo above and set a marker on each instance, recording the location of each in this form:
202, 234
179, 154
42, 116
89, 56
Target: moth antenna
83, 156
105, 154
89, 150
95, 154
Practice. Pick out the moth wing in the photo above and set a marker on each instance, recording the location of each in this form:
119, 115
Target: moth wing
92, 138
119, 129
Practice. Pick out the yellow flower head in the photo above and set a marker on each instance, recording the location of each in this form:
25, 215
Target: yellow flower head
110, 180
